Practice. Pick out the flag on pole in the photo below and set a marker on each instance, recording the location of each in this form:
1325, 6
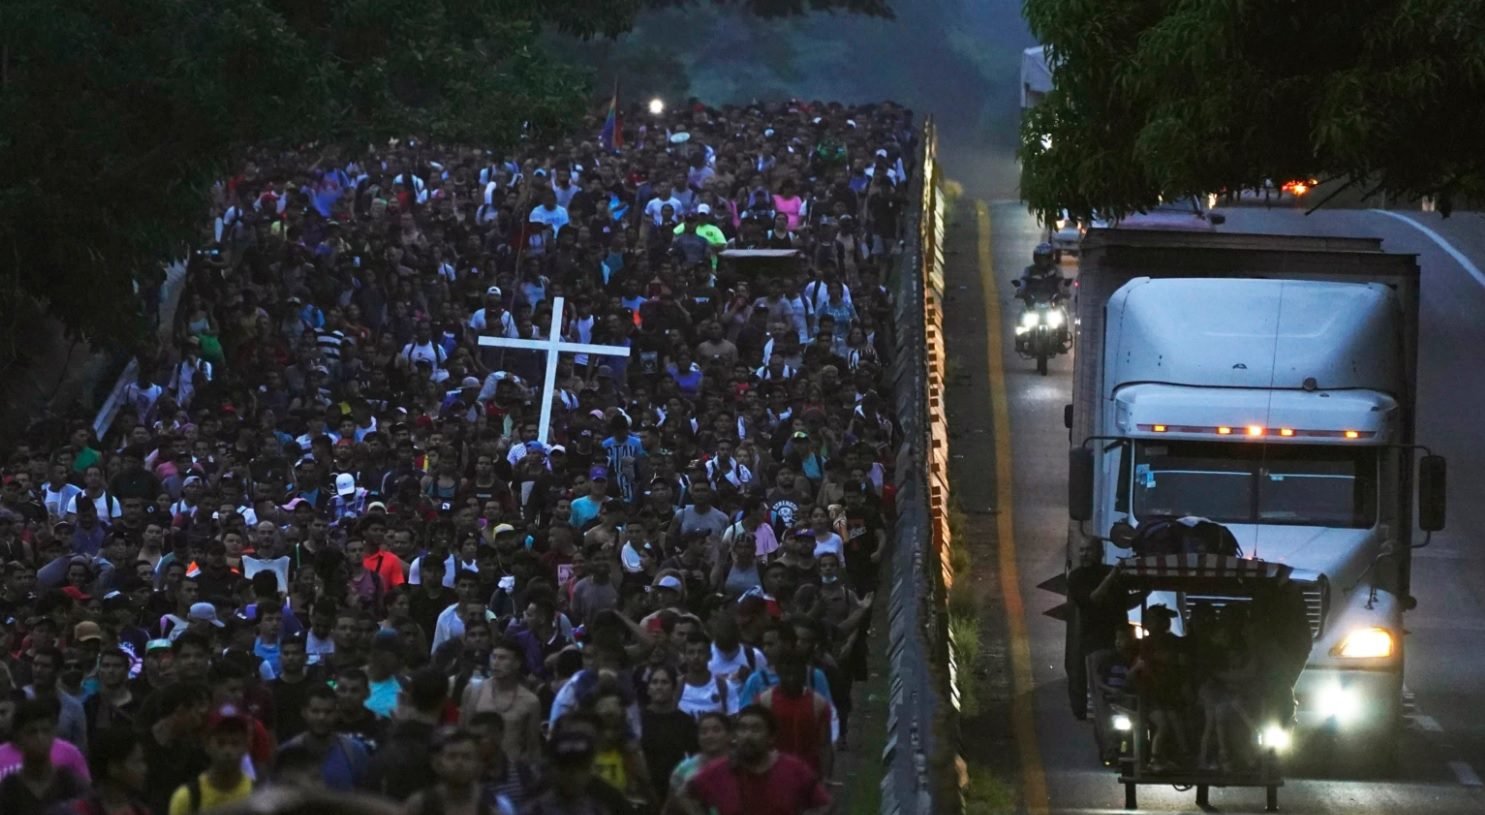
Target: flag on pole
611, 137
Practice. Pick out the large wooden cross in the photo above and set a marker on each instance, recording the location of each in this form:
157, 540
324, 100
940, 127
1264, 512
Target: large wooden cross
554, 345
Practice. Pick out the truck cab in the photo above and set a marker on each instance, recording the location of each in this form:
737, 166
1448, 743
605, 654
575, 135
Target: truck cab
1282, 409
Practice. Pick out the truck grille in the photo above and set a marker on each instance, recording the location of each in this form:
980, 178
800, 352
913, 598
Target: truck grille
1316, 598
1316, 594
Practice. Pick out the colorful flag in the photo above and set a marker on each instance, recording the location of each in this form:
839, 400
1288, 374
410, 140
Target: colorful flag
611, 137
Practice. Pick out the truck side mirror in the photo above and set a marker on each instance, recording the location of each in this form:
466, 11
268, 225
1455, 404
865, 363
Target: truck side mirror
1433, 472
1067, 416
1080, 483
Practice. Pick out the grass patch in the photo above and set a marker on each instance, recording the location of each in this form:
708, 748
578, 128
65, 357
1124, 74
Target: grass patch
987, 794
964, 635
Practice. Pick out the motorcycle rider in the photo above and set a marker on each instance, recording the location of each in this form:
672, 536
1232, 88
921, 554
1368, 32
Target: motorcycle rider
1041, 282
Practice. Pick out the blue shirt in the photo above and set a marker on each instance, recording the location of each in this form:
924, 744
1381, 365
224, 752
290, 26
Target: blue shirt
763, 679
584, 509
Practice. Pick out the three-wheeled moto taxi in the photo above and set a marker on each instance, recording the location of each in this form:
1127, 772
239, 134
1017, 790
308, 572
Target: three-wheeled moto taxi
1199, 693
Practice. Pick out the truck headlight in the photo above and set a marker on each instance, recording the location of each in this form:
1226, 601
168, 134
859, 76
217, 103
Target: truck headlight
1122, 723
1373, 642
1338, 702
1029, 319
1275, 737
1054, 318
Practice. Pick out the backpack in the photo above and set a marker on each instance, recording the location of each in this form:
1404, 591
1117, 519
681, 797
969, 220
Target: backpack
1186, 535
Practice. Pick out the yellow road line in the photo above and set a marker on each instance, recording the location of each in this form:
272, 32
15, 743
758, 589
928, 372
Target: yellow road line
1023, 716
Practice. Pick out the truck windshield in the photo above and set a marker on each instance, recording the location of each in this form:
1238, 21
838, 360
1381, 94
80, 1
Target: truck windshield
1239, 482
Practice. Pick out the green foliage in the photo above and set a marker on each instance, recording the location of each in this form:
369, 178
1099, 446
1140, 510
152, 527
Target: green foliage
1160, 98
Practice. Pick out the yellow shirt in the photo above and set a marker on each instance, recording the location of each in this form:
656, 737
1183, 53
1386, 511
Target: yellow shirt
211, 797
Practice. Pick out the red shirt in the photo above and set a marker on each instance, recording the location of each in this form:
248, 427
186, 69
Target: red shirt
788, 787
388, 567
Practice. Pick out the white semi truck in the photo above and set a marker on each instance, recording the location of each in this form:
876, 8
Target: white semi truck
1267, 383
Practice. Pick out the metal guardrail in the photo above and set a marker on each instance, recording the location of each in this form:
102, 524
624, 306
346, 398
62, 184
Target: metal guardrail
921, 701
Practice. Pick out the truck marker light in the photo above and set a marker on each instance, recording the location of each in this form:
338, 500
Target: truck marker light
1160, 428
1224, 431
1352, 434
1286, 431
1255, 430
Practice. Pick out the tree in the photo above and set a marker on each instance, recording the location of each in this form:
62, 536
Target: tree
119, 116
1155, 99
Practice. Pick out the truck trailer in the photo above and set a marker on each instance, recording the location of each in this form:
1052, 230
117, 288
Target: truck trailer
1267, 383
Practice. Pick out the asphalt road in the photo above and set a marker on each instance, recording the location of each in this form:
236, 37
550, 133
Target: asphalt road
1444, 744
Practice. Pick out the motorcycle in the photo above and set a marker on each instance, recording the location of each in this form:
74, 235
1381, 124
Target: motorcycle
1042, 331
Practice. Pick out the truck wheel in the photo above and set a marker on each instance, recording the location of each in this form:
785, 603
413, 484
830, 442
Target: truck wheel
1131, 798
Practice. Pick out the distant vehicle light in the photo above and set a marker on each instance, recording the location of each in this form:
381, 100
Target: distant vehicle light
1374, 642
1352, 434
1054, 318
1255, 430
1224, 431
657, 106
1286, 431
1335, 701
1030, 319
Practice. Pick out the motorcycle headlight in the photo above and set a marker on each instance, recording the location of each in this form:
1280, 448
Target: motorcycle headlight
1030, 319
1054, 319
1365, 643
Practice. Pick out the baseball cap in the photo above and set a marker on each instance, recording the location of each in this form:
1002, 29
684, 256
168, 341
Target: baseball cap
598, 473
206, 612
227, 716
557, 448
86, 631
157, 645
669, 581
345, 484
294, 504
62, 525
469, 382
703, 209
376, 505
502, 529
493, 291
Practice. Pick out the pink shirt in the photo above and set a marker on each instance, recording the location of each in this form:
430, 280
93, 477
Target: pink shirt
790, 207
63, 755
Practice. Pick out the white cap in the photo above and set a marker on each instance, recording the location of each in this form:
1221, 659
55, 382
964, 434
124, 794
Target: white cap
703, 209
345, 484
493, 291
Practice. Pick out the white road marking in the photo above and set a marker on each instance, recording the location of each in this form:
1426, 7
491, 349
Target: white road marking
1465, 774
1428, 723
1443, 244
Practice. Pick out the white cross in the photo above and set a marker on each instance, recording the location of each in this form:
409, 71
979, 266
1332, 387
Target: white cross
553, 346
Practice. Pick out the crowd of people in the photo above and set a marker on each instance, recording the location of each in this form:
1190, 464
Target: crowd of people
327, 543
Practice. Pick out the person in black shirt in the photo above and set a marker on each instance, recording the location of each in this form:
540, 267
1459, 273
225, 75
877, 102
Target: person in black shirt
295, 680
668, 734
172, 745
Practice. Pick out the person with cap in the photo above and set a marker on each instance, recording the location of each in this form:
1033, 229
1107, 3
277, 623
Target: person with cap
587, 507
349, 501
492, 319
228, 733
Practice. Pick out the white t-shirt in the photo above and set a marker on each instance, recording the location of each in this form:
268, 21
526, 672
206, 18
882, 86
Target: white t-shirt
729, 668
652, 209
107, 505
556, 217
831, 544
480, 321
